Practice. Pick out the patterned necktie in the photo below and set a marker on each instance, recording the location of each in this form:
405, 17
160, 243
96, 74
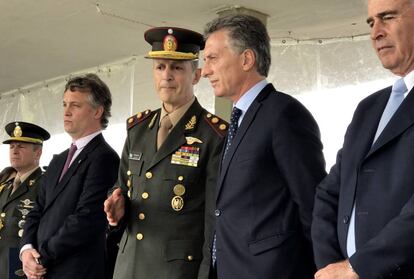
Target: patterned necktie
395, 100
234, 124
71, 152
165, 126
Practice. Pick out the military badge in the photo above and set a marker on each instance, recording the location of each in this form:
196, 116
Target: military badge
191, 140
186, 156
170, 43
179, 190
177, 203
190, 125
17, 132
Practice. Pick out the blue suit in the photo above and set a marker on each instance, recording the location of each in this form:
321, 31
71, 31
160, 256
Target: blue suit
378, 179
266, 191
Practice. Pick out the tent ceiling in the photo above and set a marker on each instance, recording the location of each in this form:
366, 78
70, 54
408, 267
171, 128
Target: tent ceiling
47, 38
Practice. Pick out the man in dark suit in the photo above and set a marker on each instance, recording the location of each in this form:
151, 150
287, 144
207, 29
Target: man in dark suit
271, 164
18, 194
168, 171
65, 232
364, 209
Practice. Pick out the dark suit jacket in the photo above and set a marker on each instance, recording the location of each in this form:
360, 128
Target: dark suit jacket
171, 240
379, 178
13, 212
67, 225
266, 190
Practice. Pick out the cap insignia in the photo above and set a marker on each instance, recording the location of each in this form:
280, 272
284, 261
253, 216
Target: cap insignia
17, 133
170, 43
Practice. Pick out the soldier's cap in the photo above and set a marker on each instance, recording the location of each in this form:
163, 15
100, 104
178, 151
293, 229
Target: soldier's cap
174, 43
25, 132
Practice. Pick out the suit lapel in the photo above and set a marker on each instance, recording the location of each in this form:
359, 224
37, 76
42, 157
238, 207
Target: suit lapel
241, 131
176, 138
401, 121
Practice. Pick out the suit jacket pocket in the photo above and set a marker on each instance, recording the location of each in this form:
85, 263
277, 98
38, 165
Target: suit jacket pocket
188, 250
262, 245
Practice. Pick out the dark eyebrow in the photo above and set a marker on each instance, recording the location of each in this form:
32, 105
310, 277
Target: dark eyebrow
381, 15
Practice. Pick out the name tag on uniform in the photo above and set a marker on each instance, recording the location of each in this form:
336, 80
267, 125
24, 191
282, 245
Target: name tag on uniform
135, 156
186, 156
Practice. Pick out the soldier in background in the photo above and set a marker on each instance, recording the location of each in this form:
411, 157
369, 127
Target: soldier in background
168, 168
18, 194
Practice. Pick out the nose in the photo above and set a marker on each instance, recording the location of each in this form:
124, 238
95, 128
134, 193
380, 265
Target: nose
377, 30
206, 70
167, 74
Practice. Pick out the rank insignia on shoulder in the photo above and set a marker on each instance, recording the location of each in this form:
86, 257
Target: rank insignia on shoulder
219, 125
139, 117
191, 140
186, 156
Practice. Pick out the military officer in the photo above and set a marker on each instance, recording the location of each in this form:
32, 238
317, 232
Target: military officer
168, 168
17, 195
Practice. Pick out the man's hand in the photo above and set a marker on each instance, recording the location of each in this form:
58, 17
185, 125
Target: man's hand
339, 270
31, 266
114, 207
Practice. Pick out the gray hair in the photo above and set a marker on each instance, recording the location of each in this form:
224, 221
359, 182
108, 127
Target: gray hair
245, 32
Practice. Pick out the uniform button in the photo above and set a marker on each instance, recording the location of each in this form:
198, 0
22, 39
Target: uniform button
148, 175
345, 219
141, 216
140, 236
190, 258
3, 214
129, 183
217, 212
180, 178
129, 173
145, 195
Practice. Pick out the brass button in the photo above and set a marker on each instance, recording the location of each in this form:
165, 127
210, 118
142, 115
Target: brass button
141, 216
148, 175
129, 183
147, 111
140, 236
190, 258
129, 193
222, 127
129, 173
3, 214
209, 115
214, 120
145, 195
130, 120
180, 178
139, 115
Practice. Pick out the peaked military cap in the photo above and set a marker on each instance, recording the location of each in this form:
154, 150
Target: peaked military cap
174, 43
26, 132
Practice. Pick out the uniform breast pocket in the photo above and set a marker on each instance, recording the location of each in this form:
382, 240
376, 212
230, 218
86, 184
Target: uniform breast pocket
183, 190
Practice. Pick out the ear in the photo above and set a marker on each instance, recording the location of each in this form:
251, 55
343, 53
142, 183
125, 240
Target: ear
196, 77
248, 59
99, 112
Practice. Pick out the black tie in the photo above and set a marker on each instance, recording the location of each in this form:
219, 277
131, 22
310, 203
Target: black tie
234, 123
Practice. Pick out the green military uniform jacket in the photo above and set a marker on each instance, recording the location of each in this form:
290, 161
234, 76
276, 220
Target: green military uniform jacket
166, 195
13, 210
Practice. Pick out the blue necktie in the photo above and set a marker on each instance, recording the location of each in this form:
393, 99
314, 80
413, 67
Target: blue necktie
234, 124
395, 100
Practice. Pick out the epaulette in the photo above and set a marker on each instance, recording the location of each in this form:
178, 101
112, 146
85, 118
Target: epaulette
137, 118
219, 125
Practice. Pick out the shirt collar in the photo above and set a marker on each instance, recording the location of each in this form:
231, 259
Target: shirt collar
247, 99
409, 81
176, 115
82, 142
24, 176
